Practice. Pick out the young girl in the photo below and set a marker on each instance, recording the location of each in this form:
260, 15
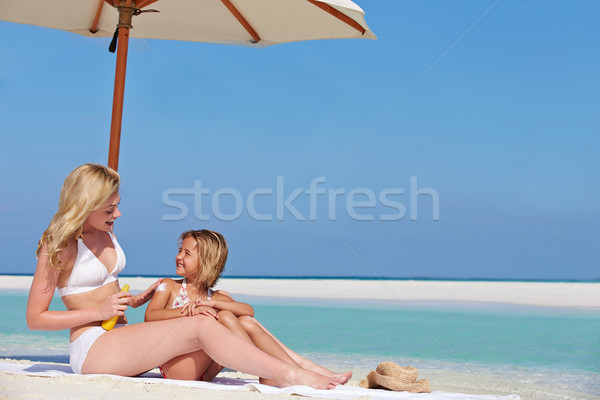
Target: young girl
79, 255
200, 261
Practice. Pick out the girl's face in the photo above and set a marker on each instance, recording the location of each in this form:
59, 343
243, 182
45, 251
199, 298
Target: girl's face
104, 217
187, 259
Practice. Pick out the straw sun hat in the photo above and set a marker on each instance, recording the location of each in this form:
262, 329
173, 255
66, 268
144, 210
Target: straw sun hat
391, 376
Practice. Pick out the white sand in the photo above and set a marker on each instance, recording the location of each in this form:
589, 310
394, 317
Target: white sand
577, 295
547, 294
14, 386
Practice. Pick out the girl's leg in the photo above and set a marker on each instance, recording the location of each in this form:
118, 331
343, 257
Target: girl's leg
189, 367
263, 342
133, 349
196, 366
211, 372
258, 332
230, 321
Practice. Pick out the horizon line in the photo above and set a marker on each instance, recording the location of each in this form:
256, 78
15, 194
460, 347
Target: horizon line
365, 278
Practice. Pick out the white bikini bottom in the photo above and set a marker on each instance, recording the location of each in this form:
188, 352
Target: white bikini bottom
79, 348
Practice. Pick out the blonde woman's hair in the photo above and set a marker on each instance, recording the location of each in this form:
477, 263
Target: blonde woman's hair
86, 189
212, 255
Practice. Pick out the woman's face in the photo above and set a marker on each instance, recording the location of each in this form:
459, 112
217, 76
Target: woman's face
104, 217
186, 261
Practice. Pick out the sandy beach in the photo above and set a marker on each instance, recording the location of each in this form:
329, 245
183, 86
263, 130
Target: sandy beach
16, 386
544, 294
547, 294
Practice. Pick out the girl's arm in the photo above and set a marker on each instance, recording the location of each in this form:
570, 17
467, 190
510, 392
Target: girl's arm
221, 300
158, 308
40, 295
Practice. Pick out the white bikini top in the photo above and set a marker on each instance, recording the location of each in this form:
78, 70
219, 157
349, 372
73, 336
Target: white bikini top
89, 273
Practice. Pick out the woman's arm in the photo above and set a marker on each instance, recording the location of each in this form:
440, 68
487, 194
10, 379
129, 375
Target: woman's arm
141, 299
40, 295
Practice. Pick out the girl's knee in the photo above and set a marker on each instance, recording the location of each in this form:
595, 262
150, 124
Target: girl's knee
226, 317
247, 322
198, 323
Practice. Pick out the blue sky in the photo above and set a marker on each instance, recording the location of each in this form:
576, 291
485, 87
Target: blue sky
495, 117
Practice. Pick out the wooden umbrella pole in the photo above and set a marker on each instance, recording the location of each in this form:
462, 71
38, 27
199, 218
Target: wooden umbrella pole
125, 14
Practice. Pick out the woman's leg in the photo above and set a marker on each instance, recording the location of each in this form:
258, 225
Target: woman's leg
133, 349
198, 365
259, 333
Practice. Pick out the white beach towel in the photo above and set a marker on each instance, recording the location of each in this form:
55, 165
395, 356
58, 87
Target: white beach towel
340, 392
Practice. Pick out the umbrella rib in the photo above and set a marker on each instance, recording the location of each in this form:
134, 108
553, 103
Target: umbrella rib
339, 15
94, 27
236, 13
144, 3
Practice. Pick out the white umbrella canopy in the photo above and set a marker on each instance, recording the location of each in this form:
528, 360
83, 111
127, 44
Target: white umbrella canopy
211, 21
254, 23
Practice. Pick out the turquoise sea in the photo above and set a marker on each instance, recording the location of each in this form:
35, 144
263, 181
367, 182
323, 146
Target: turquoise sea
552, 346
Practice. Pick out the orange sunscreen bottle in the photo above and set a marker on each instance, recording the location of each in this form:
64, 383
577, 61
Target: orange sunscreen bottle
110, 323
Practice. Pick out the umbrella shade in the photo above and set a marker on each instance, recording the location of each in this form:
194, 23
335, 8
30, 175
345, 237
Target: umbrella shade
255, 23
211, 21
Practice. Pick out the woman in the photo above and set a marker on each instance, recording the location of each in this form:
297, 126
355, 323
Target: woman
79, 255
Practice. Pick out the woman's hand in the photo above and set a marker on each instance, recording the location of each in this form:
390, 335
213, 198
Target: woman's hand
114, 305
142, 298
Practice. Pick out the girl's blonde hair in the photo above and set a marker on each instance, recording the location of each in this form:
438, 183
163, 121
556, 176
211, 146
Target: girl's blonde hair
212, 255
86, 189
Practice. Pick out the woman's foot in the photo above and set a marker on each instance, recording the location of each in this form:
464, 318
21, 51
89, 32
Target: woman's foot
342, 378
265, 381
301, 376
311, 366
345, 376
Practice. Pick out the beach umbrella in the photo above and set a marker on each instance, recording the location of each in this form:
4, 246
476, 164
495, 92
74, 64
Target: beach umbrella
254, 23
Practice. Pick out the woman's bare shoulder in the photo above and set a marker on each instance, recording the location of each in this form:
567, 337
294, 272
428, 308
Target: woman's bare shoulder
67, 257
